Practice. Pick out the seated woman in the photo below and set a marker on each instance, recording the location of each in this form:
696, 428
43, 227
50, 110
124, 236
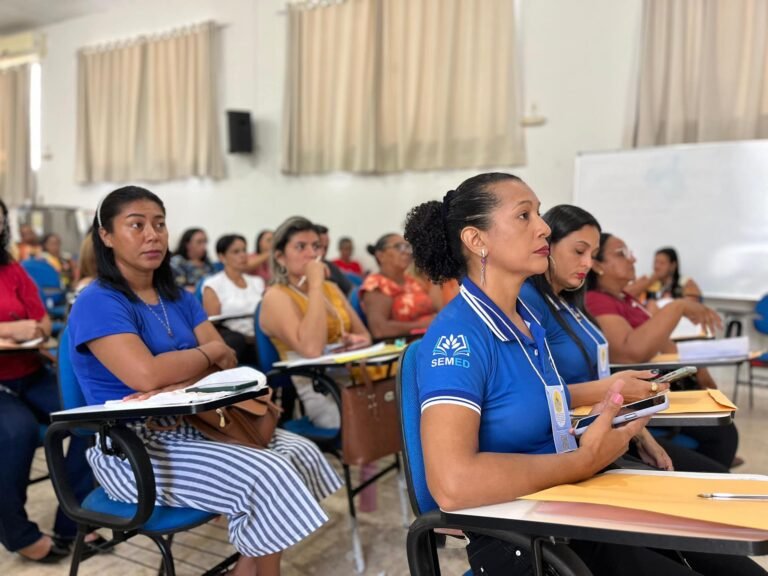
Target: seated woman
344, 261
60, 261
86, 264
578, 346
28, 395
190, 262
258, 262
487, 434
665, 282
394, 302
634, 335
135, 333
233, 292
304, 314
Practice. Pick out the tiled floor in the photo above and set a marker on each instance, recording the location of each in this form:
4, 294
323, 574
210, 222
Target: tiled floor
328, 551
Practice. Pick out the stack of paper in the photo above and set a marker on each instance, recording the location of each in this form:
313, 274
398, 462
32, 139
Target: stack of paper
375, 351
688, 402
235, 377
676, 494
721, 348
8, 343
687, 330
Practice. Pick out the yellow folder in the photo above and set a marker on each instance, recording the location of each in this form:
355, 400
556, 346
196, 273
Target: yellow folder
668, 494
689, 402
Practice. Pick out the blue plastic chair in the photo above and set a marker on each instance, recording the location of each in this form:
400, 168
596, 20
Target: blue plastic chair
421, 542
328, 439
357, 306
760, 323
48, 282
158, 523
355, 279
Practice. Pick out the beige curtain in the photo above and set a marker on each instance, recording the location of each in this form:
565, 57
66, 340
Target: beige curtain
16, 182
386, 86
147, 109
703, 71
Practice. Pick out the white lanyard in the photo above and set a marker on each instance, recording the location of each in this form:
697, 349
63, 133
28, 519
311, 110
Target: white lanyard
578, 318
520, 343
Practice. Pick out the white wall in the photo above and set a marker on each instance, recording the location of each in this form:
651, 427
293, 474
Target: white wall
578, 68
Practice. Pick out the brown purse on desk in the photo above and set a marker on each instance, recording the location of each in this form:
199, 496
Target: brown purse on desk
370, 419
249, 423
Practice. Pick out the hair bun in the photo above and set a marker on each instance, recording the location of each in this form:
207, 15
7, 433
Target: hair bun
371, 249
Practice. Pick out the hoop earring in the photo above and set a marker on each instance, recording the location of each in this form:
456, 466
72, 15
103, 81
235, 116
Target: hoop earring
483, 261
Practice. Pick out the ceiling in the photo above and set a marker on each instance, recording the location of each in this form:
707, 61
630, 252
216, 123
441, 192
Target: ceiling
21, 15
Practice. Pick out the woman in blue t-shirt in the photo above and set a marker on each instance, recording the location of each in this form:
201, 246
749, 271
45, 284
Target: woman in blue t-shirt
494, 409
135, 333
579, 347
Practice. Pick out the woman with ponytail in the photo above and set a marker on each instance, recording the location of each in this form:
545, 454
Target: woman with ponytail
494, 409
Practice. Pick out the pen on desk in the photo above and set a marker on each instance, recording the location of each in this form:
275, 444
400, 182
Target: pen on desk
729, 496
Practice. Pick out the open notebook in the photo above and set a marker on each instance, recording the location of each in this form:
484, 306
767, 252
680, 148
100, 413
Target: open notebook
218, 384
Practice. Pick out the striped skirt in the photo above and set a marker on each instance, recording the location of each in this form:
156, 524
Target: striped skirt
269, 496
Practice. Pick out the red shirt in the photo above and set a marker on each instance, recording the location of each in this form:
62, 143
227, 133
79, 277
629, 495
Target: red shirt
602, 304
19, 300
351, 266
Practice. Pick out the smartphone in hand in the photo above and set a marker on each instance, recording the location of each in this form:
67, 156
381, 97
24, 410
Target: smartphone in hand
628, 412
675, 375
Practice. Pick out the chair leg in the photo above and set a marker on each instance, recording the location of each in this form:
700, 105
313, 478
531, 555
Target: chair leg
751, 387
357, 545
164, 544
78, 551
422, 551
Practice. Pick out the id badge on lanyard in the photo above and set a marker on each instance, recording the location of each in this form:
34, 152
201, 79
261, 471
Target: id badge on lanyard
560, 418
603, 366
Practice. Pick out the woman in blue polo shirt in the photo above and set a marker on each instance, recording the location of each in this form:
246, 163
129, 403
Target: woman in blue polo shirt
579, 347
135, 333
494, 422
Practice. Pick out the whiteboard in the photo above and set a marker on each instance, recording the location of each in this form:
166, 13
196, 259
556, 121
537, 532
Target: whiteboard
708, 201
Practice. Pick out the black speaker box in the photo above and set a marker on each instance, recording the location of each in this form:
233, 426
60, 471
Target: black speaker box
240, 131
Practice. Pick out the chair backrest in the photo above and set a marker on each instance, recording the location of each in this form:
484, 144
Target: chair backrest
354, 301
42, 273
410, 427
265, 349
761, 309
69, 388
355, 279
46, 278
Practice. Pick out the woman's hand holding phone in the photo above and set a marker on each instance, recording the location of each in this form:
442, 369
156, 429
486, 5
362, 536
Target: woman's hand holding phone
637, 385
601, 444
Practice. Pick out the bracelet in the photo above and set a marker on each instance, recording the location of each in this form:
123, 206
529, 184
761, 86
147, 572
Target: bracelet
210, 362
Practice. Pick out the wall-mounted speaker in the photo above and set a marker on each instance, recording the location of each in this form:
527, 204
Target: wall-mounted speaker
240, 131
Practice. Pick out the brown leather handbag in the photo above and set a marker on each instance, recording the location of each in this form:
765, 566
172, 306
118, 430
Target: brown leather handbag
370, 419
249, 423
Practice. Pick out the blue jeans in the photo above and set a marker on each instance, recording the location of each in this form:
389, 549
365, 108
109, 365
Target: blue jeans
25, 404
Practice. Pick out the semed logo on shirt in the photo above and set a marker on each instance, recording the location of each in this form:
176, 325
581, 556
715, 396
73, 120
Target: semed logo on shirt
451, 351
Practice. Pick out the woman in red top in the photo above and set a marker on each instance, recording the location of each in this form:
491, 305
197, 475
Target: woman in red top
395, 303
344, 261
635, 335
28, 394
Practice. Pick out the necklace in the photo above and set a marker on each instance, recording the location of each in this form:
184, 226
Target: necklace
166, 324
